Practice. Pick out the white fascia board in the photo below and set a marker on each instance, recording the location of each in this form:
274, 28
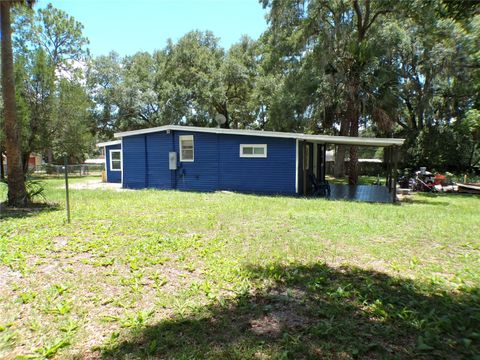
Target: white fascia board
347, 140
324, 139
109, 143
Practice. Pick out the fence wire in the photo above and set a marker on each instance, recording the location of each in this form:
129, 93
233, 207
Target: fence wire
73, 170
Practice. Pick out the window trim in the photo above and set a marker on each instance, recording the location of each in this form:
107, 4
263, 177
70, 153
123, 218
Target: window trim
186, 137
253, 146
111, 159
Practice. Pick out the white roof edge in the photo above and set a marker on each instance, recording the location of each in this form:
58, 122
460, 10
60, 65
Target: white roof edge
109, 143
346, 140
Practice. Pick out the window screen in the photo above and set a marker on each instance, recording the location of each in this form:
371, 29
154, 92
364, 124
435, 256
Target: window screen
187, 152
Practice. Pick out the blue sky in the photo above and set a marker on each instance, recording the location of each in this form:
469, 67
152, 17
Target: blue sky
128, 26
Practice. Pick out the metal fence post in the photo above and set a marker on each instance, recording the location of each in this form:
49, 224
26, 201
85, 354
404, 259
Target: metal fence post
66, 191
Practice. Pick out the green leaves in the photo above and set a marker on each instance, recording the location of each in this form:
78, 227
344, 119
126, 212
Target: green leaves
188, 82
60, 35
50, 350
73, 135
49, 57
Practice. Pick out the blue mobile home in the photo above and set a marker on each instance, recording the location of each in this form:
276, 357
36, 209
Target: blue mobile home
210, 159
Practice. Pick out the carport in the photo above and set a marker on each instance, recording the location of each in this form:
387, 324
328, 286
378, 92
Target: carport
311, 160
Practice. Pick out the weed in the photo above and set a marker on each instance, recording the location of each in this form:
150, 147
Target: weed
51, 350
27, 297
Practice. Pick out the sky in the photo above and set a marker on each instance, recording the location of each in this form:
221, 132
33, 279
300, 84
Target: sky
129, 26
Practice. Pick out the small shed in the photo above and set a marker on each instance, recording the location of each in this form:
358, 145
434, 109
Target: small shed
210, 159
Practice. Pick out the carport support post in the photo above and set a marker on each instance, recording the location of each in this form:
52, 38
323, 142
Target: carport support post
388, 162
324, 162
395, 169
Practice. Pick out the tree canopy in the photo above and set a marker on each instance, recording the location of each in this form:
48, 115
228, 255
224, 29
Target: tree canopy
344, 67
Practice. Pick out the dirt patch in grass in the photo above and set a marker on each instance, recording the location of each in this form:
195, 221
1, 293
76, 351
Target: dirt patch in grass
278, 321
8, 276
96, 185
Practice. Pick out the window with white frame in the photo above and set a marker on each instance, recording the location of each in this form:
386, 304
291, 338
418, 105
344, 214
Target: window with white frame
115, 160
253, 150
187, 151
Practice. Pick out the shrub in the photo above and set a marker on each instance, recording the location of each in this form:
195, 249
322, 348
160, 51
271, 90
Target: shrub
35, 190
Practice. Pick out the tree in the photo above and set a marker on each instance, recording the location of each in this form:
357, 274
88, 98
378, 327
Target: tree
36, 98
192, 79
472, 125
234, 88
56, 32
337, 42
139, 96
201, 81
17, 195
187, 82
49, 46
438, 86
73, 138
104, 79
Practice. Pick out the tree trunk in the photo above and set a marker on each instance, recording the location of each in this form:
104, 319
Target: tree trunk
49, 156
25, 158
339, 166
2, 169
353, 166
471, 163
228, 121
17, 195
353, 162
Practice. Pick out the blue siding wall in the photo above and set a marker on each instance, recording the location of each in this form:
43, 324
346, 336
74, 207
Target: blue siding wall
112, 176
134, 162
158, 147
217, 163
274, 174
202, 173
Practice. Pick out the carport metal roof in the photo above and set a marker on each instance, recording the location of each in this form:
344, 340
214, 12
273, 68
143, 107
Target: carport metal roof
109, 143
321, 139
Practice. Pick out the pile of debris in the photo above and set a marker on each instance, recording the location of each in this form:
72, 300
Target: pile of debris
425, 181
469, 188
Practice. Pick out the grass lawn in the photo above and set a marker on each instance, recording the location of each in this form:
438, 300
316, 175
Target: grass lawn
362, 180
166, 274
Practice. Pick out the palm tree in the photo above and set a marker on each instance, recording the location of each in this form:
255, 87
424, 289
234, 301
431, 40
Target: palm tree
17, 194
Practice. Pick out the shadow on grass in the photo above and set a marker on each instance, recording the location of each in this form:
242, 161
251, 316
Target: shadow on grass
419, 201
426, 198
33, 210
300, 312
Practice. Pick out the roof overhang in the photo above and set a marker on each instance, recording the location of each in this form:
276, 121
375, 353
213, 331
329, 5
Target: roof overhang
321, 139
94, 161
109, 143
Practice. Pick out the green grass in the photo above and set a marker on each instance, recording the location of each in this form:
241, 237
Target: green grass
362, 180
168, 274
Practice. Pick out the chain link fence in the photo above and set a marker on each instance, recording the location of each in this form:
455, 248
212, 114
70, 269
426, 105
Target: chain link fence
73, 170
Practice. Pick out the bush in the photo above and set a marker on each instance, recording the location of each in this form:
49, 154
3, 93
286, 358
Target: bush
35, 190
